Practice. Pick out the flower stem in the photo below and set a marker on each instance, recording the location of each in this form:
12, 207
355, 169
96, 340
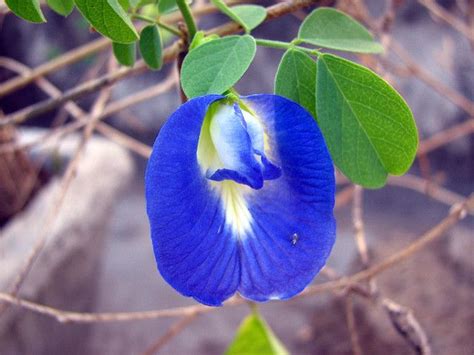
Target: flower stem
285, 46
164, 26
188, 18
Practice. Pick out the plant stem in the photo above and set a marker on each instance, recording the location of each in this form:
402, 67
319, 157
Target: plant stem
188, 18
284, 45
164, 26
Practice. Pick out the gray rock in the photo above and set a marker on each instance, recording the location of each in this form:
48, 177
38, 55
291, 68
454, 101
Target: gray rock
66, 273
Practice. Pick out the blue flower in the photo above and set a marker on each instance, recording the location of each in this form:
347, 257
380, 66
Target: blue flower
240, 198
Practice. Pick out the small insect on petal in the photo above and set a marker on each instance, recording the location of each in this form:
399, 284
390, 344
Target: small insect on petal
294, 239
227, 185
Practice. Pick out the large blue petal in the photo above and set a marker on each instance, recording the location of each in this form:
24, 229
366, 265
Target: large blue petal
195, 252
211, 238
293, 227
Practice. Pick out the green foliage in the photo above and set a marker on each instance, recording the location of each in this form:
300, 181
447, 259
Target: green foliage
108, 18
221, 5
254, 337
250, 15
296, 79
28, 10
201, 38
62, 7
125, 53
368, 127
331, 28
140, 3
151, 47
167, 6
216, 66
125, 4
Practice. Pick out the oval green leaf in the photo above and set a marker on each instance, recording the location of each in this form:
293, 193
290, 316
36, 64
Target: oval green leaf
28, 10
254, 337
151, 47
221, 5
62, 7
125, 53
368, 127
296, 79
250, 15
125, 4
167, 6
330, 28
216, 66
108, 18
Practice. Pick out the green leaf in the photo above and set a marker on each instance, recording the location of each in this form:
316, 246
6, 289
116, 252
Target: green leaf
330, 28
167, 6
250, 15
221, 5
200, 38
254, 337
296, 79
108, 18
140, 3
28, 10
125, 53
216, 66
368, 127
125, 4
62, 7
151, 47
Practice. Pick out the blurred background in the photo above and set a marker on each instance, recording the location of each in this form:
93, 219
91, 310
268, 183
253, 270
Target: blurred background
74, 232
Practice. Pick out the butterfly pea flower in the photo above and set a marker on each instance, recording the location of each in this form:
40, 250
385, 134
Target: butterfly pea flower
240, 197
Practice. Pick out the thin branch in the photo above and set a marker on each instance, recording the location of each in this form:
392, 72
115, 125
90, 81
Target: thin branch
358, 223
440, 13
446, 136
81, 90
344, 196
458, 212
443, 90
79, 114
141, 96
408, 326
351, 324
427, 188
173, 331
54, 64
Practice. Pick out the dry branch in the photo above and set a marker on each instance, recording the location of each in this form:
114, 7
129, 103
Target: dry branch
351, 325
458, 212
408, 326
173, 331
358, 224
446, 136
440, 13
72, 108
